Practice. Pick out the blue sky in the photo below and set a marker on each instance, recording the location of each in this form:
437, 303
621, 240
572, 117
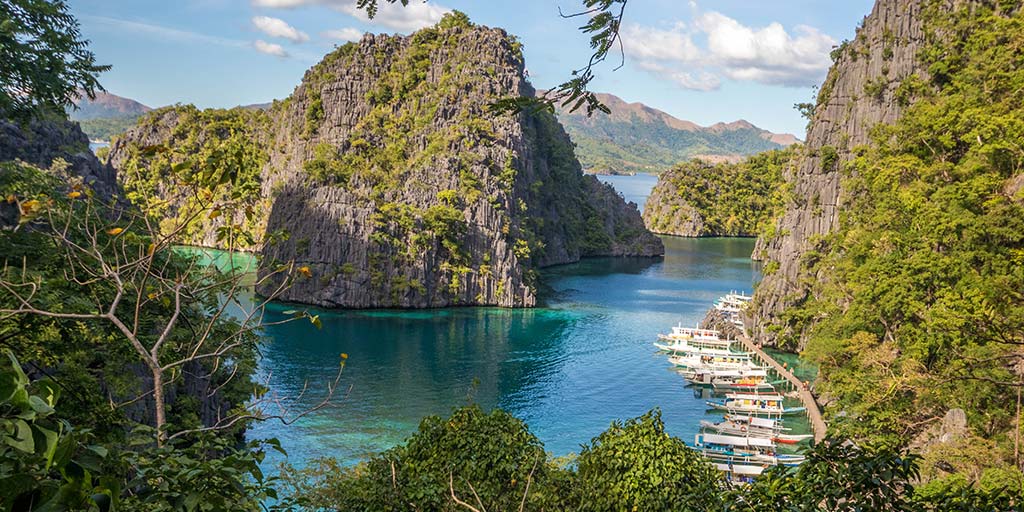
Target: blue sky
704, 61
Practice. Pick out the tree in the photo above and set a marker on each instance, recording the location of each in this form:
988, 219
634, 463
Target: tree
636, 465
44, 63
179, 317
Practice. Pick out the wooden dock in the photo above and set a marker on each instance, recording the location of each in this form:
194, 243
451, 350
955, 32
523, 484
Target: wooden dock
813, 412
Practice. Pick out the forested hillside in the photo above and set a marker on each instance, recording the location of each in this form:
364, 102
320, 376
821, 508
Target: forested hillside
105, 115
918, 308
697, 198
637, 138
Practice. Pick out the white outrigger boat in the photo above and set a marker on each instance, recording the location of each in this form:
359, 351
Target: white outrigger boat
731, 379
694, 334
748, 426
742, 473
755, 404
732, 305
714, 362
744, 449
755, 384
686, 339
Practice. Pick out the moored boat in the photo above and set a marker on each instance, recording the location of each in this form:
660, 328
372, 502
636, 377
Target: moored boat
755, 404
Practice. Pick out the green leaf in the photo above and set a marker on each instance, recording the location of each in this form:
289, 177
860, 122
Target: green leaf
22, 438
49, 441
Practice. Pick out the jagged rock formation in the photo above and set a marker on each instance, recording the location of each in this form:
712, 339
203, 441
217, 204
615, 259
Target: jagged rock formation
668, 213
859, 92
390, 183
41, 142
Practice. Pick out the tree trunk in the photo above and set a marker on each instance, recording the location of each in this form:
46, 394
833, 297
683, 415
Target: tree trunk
158, 400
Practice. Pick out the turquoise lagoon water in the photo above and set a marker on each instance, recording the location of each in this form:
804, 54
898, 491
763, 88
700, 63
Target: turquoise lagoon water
568, 368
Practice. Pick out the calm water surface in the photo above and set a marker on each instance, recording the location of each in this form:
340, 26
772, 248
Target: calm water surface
568, 368
633, 188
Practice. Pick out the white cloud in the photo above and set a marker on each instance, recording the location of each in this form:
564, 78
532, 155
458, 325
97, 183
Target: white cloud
768, 55
276, 27
269, 48
416, 15
345, 34
409, 18
699, 81
648, 44
160, 32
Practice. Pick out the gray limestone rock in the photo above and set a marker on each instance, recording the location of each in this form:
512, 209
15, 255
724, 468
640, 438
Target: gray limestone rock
858, 94
433, 198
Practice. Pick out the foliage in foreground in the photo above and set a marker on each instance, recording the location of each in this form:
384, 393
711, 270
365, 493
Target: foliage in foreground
49, 464
41, 51
490, 461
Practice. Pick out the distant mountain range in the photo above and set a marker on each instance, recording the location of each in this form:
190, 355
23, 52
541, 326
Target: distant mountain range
106, 105
106, 115
633, 138
638, 138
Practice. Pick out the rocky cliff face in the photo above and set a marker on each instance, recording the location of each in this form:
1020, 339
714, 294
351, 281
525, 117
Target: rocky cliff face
859, 92
390, 183
667, 212
43, 141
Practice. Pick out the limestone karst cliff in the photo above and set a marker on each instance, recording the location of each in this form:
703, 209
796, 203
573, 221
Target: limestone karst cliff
859, 92
388, 177
43, 141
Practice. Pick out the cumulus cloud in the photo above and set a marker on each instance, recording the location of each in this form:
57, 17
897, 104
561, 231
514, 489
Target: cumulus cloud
269, 48
697, 81
345, 34
276, 27
416, 15
768, 55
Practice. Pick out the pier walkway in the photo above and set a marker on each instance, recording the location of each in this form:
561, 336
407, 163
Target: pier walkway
813, 412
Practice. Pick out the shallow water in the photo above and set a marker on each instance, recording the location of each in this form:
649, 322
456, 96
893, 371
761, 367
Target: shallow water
568, 369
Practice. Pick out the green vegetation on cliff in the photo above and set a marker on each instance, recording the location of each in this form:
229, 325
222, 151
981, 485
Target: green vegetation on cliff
922, 311
220, 147
696, 198
105, 128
